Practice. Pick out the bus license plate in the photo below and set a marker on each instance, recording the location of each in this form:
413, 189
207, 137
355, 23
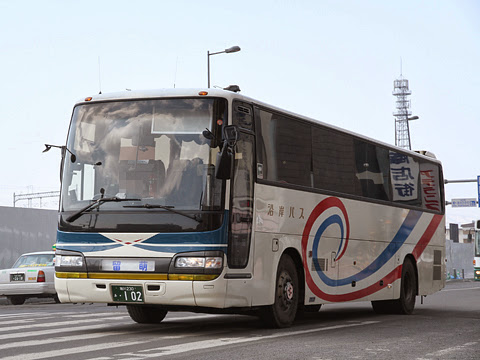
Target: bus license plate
127, 293
17, 277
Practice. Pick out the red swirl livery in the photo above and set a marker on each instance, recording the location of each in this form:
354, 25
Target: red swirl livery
317, 274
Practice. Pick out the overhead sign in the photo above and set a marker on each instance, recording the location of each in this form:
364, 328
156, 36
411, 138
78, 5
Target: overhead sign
464, 202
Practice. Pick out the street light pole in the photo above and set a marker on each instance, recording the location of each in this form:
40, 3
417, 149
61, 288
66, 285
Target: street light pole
229, 50
408, 127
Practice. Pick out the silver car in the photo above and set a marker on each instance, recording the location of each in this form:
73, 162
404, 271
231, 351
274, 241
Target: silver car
31, 276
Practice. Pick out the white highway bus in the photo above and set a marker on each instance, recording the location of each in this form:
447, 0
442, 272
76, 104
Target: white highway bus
476, 259
210, 201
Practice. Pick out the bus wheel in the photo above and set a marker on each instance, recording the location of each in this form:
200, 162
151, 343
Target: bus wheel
408, 292
146, 314
17, 300
283, 311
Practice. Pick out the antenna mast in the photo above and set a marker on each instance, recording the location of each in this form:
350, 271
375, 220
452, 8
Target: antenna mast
402, 130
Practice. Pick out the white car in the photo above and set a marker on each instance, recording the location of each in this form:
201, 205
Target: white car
31, 276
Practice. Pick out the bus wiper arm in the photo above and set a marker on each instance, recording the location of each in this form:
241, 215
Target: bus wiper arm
165, 207
95, 205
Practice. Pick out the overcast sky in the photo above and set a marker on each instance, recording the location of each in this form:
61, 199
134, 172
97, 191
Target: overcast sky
334, 61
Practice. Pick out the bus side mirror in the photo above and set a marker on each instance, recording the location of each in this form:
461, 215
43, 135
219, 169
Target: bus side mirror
225, 156
230, 135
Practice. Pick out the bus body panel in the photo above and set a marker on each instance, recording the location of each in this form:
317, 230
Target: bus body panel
364, 264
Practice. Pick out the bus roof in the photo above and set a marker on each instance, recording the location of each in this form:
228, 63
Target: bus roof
230, 95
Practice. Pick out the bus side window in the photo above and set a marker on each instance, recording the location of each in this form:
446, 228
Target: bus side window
333, 161
372, 169
284, 149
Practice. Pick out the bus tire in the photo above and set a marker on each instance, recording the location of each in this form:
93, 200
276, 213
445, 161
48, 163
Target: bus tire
17, 299
282, 312
146, 314
408, 293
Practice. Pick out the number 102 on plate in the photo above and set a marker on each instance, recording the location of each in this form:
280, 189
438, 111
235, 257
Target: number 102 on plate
125, 293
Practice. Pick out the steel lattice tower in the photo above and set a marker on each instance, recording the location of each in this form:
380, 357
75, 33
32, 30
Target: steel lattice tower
402, 130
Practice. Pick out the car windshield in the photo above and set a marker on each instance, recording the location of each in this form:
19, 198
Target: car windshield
34, 260
152, 152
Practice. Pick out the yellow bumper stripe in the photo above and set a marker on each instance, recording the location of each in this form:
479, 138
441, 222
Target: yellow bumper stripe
126, 276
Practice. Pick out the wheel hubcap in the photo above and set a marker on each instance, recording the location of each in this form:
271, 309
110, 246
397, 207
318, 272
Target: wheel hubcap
288, 291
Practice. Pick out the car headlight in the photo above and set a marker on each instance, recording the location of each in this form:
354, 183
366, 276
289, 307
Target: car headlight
68, 260
199, 262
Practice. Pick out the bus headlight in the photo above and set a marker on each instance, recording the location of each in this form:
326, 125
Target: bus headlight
69, 260
199, 262
190, 262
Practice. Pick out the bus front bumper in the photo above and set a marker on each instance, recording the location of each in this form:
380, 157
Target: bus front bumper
182, 291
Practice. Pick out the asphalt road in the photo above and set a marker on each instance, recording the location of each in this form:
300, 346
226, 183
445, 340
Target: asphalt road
446, 326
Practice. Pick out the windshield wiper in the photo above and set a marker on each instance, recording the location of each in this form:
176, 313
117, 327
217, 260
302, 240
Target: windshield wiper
95, 205
165, 207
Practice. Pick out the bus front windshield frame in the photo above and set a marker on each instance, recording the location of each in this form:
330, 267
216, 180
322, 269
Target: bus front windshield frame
149, 154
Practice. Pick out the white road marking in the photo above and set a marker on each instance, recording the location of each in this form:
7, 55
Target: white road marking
207, 344
472, 288
450, 350
51, 354
90, 335
105, 314
62, 330
21, 314
54, 324
17, 321
69, 326
59, 340
37, 315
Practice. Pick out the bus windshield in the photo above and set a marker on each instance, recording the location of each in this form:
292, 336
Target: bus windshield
150, 151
